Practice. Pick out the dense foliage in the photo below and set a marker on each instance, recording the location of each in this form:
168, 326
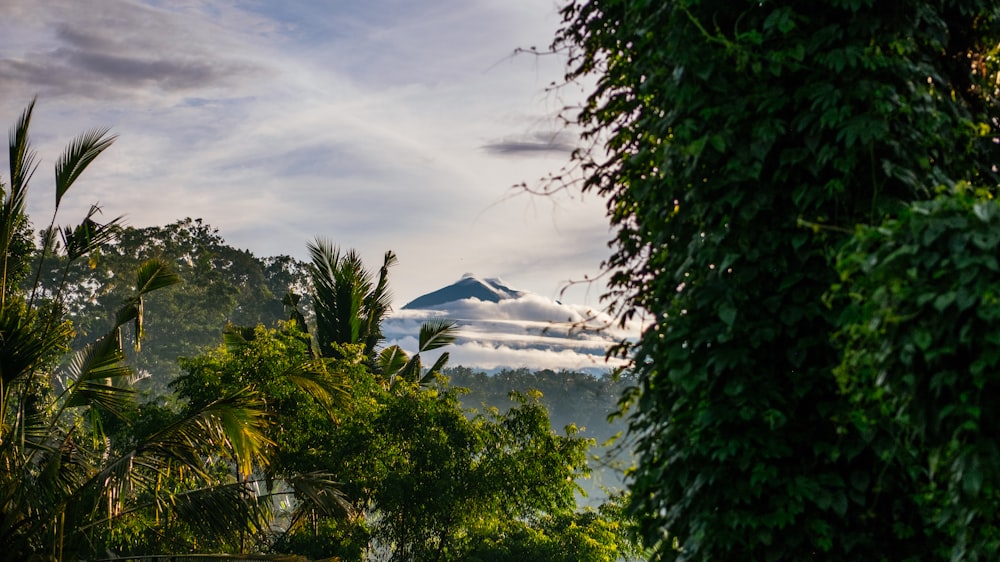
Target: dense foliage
584, 401
571, 397
738, 145
921, 363
65, 478
219, 284
417, 476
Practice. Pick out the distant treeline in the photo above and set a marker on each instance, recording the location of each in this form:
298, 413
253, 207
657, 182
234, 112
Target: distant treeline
220, 285
572, 398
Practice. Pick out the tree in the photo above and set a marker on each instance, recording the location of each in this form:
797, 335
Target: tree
920, 364
570, 398
61, 479
425, 479
302, 394
434, 482
350, 305
601, 535
739, 146
220, 285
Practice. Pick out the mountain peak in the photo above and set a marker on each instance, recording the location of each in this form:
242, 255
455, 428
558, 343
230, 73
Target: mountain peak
470, 286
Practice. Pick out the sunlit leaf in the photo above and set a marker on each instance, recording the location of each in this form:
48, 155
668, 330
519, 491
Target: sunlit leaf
435, 334
392, 359
77, 156
154, 274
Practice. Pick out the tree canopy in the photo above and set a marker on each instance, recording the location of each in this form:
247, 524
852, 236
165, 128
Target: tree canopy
418, 476
757, 157
219, 284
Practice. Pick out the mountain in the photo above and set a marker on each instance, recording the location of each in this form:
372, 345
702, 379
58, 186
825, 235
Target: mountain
503, 327
468, 287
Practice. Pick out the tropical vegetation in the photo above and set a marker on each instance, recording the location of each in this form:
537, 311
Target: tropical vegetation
63, 479
303, 434
219, 284
802, 197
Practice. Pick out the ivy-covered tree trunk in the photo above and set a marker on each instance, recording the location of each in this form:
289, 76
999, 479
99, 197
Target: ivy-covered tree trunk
738, 145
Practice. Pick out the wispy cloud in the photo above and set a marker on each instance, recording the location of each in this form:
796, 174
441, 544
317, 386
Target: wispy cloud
381, 125
527, 145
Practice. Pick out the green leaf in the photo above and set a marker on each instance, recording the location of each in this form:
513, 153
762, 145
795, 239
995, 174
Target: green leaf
972, 479
77, 156
392, 359
91, 372
435, 334
943, 301
718, 143
154, 274
727, 313
313, 377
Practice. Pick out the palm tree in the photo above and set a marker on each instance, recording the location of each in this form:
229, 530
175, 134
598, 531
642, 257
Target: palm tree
395, 364
60, 477
350, 304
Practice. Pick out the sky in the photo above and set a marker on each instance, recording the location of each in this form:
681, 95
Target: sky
378, 125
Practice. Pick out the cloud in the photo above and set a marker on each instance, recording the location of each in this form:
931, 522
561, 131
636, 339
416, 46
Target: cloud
494, 355
120, 51
530, 331
533, 144
491, 357
530, 312
280, 121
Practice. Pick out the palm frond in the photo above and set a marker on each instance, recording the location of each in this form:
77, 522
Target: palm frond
378, 304
291, 304
29, 433
218, 511
314, 378
23, 163
391, 360
23, 160
411, 370
89, 235
78, 155
150, 276
25, 343
154, 274
38, 497
91, 375
435, 368
230, 428
319, 491
63, 469
435, 334
239, 423
237, 338
221, 511
340, 285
